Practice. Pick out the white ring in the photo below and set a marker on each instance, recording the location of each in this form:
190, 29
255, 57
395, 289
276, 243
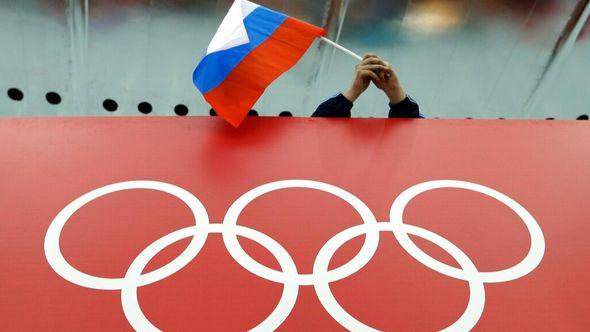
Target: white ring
466, 322
61, 266
528, 264
289, 276
239, 254
130, 302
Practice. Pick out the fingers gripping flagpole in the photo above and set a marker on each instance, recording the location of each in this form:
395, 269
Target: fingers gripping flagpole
347, 51
343, 49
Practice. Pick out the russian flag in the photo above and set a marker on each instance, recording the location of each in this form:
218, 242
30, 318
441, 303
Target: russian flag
253, 47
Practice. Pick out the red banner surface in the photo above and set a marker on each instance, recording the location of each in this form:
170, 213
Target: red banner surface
294, 224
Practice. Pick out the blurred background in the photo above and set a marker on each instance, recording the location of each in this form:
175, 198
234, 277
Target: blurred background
519, 59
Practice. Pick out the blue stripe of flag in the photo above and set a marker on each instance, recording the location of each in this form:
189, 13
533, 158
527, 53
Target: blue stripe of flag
215, 67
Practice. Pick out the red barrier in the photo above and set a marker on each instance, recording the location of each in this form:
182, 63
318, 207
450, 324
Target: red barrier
488, 229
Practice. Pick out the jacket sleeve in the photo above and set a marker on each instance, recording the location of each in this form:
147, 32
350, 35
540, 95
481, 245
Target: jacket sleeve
340, 107
407, 108
335, 107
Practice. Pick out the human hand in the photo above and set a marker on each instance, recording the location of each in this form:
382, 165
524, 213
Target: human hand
365, 72
388, 81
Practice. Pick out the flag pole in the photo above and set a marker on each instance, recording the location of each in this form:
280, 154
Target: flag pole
343, 49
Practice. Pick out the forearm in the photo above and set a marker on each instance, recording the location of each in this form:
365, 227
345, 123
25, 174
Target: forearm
352, 94
396, 95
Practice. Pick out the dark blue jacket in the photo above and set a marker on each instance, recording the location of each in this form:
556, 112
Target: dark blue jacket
339, 107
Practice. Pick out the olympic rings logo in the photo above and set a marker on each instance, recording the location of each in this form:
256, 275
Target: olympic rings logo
288, 276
